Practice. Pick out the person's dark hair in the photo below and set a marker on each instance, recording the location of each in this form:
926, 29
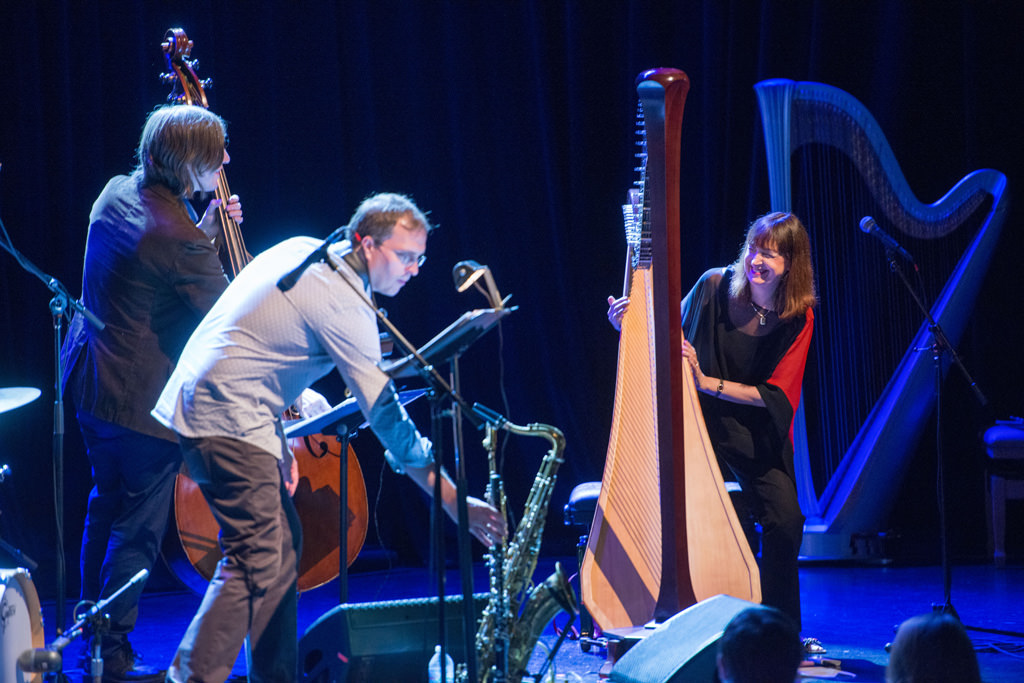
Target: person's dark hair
760, 645
782, 232
376, 216
932, 648
178, 143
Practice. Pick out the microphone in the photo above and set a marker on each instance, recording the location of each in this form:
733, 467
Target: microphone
49, 658
39, 661
288, 281
870, 227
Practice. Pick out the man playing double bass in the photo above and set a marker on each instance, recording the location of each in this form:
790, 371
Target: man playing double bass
151, 272
265, 340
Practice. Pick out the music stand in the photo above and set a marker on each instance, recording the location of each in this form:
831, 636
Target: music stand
344, 417
446, 346
343, 421
449, 342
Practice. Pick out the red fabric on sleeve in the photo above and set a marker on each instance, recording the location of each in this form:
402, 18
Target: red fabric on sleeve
789, 373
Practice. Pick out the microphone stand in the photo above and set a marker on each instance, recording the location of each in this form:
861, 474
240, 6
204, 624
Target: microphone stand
941, 345
94, 622
319, 254
59, 305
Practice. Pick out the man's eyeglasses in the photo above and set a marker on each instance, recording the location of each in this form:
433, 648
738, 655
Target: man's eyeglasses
407, 258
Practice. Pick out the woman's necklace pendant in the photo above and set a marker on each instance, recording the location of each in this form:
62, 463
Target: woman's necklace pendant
762, 315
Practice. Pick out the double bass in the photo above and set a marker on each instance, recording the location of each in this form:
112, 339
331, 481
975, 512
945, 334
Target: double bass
317, 498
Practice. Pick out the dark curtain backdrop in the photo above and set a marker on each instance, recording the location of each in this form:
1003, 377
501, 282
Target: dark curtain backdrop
513, 124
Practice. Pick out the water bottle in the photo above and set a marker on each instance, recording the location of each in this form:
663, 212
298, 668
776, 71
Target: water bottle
434, 667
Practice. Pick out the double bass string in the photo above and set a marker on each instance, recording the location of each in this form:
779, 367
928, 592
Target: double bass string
238, 255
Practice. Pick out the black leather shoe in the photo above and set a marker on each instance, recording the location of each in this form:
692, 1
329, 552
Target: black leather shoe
123, 665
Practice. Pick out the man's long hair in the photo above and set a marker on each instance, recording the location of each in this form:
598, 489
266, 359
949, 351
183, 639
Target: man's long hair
178, 143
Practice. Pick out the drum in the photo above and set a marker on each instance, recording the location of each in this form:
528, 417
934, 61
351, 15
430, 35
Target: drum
21, 624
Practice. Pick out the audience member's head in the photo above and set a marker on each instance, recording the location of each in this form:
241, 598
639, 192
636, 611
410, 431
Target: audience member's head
759, 645
932, 648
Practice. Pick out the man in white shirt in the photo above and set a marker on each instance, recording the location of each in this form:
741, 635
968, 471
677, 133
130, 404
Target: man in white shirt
250, 358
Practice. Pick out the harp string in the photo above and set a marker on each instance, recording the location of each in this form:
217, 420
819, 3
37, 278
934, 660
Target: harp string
866, 319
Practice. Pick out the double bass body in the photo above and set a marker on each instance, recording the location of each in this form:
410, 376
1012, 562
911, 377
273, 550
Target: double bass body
317, 500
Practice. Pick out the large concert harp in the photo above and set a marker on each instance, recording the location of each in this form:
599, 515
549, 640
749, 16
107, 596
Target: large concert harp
870, 379
664, 534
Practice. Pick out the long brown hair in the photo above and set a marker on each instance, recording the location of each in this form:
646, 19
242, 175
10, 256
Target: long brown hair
178, 143
782, 232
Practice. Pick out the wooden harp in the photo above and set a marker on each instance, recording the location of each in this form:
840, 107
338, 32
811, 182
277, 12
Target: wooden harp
665, 534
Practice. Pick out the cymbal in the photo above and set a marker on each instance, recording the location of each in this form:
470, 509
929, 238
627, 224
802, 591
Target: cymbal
16, 397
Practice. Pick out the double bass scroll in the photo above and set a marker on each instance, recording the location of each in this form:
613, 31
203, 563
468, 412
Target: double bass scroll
188, 88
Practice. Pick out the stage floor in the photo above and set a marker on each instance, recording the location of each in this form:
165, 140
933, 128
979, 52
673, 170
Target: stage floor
853, 610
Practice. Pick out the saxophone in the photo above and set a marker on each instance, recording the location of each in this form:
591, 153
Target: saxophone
506, 637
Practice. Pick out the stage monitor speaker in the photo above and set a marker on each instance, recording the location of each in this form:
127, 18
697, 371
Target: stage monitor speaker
683, 648
373, 642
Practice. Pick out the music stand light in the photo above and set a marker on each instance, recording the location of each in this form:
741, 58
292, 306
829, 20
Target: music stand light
468, 273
